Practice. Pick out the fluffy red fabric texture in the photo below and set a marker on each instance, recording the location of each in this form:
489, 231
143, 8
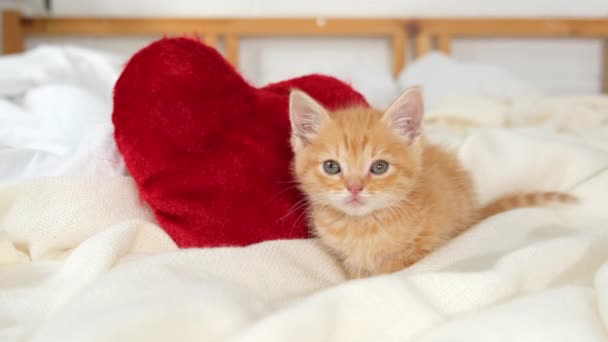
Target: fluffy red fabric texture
209, 152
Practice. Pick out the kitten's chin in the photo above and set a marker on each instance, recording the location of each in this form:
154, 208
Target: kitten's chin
356, 209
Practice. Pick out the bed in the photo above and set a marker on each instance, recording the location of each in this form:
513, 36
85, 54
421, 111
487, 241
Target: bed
81, 258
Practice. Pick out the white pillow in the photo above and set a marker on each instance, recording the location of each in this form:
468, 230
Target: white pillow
377, 85
441, 77
93, 70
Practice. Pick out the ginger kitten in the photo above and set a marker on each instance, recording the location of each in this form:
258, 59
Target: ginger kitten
380, 196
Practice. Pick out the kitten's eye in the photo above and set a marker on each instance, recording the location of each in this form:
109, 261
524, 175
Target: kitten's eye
379, 167
331, 167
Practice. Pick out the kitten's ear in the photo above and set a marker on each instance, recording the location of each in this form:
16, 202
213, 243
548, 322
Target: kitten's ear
405, 114
306, 115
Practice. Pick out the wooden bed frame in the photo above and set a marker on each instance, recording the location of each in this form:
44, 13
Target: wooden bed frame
427, 34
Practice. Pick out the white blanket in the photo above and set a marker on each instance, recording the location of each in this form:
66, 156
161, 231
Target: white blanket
55, 109
83, 260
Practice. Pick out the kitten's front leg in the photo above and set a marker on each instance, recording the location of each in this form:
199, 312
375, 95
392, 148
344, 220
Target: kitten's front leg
395, 263
355, 272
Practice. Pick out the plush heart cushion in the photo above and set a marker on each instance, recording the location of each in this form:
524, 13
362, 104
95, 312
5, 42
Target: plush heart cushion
209, 152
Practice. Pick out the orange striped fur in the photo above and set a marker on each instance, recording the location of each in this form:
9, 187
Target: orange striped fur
522, 200
424, 198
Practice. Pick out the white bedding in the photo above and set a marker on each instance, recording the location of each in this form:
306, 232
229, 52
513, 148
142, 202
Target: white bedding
84, 261
81, 259
55, 111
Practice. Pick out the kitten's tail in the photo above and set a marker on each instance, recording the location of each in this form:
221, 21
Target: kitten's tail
521, 200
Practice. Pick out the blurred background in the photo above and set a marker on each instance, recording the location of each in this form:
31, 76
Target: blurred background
553, 66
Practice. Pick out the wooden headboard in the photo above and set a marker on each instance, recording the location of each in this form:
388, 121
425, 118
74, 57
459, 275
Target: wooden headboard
438, 33
426, 34
230, 30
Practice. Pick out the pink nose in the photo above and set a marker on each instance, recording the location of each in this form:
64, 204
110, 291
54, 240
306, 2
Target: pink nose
354, 189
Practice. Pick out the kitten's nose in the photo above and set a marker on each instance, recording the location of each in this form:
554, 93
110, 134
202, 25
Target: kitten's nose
354, 188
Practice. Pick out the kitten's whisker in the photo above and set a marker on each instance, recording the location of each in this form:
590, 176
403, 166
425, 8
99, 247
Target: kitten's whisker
293, 227
282, 191
295, 207
288, 182
291, 211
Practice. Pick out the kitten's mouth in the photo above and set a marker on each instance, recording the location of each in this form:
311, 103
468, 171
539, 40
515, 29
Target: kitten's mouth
355, 201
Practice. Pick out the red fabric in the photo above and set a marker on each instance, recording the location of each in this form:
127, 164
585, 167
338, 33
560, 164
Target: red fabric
209, 152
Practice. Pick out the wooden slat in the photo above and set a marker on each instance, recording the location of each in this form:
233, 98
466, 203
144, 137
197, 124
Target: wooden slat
539, 27
605, 67
309, 26
399, 45
241, 26
444, 43
210, 39
423, 44
12, 32
232, 50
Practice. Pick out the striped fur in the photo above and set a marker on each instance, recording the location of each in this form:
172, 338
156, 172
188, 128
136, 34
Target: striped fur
424, 199
522, 200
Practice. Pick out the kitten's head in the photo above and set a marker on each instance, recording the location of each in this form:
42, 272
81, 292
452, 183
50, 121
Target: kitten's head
356, 160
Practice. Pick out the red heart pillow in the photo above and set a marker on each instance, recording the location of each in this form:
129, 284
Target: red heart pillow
209, 152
